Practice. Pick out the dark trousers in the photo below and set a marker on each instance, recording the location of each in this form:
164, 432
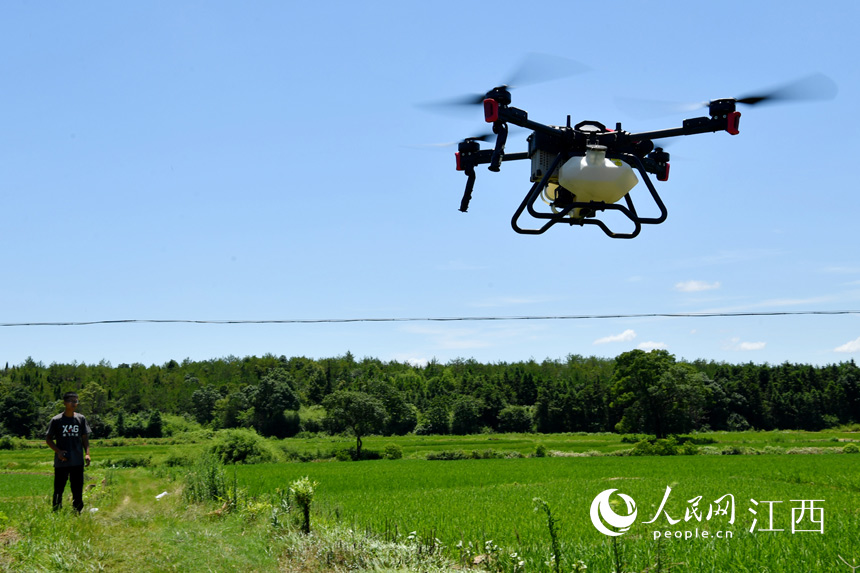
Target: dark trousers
75, 476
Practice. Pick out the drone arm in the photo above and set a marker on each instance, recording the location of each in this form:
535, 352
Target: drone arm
516, 116
728, 123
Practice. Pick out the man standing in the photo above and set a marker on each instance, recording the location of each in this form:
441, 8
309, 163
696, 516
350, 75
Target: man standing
68, 435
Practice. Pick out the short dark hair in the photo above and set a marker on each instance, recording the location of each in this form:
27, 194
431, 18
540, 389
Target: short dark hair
69, 395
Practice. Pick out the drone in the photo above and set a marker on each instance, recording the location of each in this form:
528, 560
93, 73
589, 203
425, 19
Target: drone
583, 171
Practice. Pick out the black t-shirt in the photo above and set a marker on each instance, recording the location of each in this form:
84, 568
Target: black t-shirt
67, 433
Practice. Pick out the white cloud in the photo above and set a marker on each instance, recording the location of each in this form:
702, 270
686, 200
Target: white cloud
411, 360
853, 346
625, 336
736, 344
649, 346
696, 286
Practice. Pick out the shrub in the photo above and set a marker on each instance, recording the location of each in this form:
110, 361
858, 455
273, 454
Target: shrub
666, 447
240, 446
10, 443
540, 451
671, 446
732, 451
447, 455
688, 449
343, 455
851, 449
393, 452
636, 438
642, 448
489, 454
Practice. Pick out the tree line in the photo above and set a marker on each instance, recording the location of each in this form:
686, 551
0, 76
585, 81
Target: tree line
636, 392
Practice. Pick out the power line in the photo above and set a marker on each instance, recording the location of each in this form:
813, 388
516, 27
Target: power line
440, 319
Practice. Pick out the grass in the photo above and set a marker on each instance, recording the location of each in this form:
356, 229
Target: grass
134, 531
418, 515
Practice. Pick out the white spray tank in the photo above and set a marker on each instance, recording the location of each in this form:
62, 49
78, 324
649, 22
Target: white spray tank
595, 178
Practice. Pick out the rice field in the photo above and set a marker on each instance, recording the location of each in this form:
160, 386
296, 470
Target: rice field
489, 504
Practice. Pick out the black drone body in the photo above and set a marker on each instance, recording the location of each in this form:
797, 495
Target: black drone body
584, 170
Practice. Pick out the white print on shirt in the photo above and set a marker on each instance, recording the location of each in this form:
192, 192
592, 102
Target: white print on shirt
71, 430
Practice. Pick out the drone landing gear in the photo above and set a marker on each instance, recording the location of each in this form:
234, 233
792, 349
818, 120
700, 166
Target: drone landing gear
565, 204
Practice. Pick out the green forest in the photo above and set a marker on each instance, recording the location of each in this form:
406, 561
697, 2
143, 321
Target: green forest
636, 392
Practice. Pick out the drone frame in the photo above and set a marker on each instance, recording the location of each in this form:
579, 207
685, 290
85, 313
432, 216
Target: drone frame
563, 143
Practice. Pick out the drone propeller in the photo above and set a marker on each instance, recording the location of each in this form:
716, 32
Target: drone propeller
535, 68
538, 68
810, 88
481, 137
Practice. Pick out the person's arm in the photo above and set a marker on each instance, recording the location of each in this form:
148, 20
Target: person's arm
85, 441
50, 441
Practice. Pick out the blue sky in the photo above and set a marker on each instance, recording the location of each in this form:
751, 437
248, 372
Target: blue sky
264, 161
